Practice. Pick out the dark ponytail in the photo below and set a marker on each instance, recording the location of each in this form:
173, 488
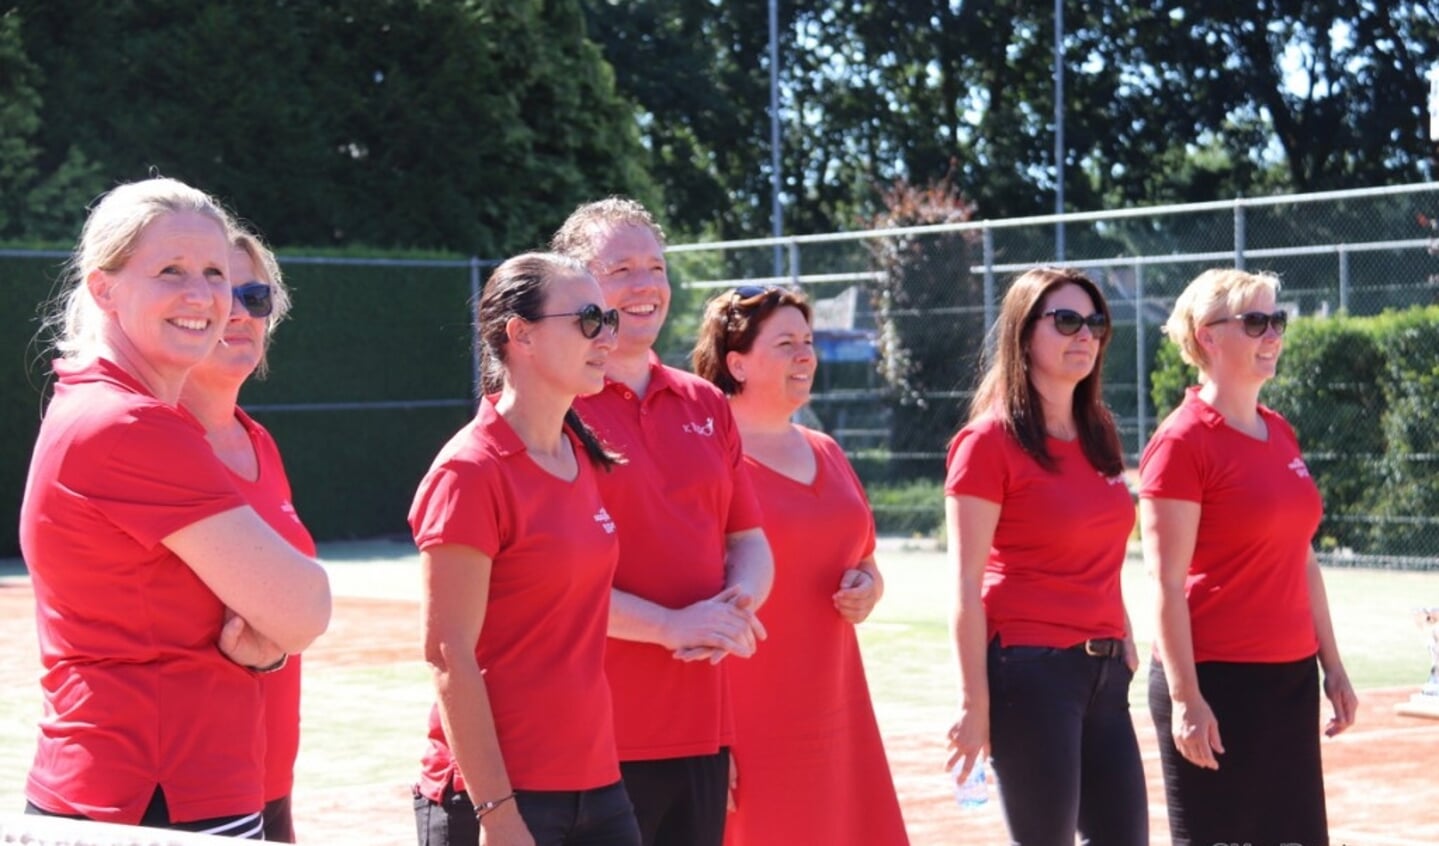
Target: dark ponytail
602, 456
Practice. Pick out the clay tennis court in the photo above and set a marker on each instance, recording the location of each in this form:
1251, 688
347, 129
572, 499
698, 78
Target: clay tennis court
366, 696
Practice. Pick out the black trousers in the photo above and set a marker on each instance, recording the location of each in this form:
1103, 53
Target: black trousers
1064, 749
157, 815
679, 801
599, 817
1269, 788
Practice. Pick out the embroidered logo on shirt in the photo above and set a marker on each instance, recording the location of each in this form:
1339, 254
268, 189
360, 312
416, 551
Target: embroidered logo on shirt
603, 518
706, 428
1297, 465
290, 510
1113, 480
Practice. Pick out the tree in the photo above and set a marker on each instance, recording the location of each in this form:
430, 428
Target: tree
464, 126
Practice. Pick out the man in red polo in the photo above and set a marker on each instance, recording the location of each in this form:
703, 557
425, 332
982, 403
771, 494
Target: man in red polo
694, 564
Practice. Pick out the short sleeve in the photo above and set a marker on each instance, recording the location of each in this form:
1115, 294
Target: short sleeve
976, 465
156, 476
459, 503
744, 508
1170, 469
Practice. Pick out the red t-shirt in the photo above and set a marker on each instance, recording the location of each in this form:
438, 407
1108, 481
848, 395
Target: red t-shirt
1052, 578
1248, 583
136, 691
811, 762
682, 491
553, 548
269, 495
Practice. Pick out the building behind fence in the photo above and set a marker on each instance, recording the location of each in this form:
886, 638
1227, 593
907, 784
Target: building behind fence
376, 369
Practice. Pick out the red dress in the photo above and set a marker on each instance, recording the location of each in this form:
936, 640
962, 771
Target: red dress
812, 767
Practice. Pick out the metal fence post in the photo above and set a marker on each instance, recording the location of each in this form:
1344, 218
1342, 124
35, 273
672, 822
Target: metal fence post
476, 377
794, 262
1141, 370
989, 316
1239, 233
1344, 278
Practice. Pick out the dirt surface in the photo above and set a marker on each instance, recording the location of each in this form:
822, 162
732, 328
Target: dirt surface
1382, 776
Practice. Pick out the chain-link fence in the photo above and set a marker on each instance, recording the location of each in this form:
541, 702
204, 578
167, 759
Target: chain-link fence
377, 369
903, 317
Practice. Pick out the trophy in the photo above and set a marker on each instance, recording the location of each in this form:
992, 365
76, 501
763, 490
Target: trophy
1425, 703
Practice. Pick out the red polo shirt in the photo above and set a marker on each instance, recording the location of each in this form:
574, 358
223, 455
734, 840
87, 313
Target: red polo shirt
269, 495
553, 547
136, 691
1052, 578
682, 491
1248, 582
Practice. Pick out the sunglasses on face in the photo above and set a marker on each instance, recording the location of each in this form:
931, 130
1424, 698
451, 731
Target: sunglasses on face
256, 298
592, 318
1256, 323
1068, 322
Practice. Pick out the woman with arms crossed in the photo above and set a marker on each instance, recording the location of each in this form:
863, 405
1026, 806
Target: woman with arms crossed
1038, 519
148, 566
518, 555
811, 766
1228, 512
211, 393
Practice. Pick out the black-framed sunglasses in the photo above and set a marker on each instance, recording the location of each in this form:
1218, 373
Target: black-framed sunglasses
749, 292
592, 319
256, 298
1256, 323
1067, 321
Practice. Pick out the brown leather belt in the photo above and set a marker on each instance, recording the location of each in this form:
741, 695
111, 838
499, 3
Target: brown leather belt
1103, 647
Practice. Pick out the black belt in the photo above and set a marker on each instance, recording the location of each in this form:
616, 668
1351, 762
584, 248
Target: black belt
1102, 647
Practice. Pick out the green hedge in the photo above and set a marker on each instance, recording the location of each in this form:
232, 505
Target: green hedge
1363, 395
395, 333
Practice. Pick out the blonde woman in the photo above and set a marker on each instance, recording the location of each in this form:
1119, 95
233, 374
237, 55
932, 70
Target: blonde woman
160, 593
1228, 512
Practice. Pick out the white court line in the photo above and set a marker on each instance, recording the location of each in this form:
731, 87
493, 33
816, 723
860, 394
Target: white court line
1349, 837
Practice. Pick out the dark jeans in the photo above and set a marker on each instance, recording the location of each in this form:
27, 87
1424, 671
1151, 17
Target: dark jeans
1269, 788
157, 815
599, 817
1063, 747
680, 801
279, 822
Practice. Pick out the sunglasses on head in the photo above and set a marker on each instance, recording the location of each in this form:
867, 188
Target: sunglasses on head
1256, 323
256, 298
592, 318
1067, 321
749, 292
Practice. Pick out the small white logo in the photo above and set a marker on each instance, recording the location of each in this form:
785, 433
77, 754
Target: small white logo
603, 518
1297, 465
1113, 480
706, 428
289, 509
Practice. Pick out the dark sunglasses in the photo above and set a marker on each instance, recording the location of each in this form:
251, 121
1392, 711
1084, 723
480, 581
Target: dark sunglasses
256, 298
1256, 323
749, 292
592, 318
1068, 322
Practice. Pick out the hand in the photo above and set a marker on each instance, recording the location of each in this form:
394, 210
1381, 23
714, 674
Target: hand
1196, 733
245, 646
856, 596
505, 827
1345, 701
968, 741
713, 628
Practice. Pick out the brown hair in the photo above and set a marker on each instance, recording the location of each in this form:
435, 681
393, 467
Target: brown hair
731, 323
1006, 392
517, 288
577, 235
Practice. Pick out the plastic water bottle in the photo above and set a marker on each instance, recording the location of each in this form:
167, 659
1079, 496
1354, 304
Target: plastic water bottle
974, 790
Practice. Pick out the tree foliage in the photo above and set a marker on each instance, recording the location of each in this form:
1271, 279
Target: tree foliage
469, 126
